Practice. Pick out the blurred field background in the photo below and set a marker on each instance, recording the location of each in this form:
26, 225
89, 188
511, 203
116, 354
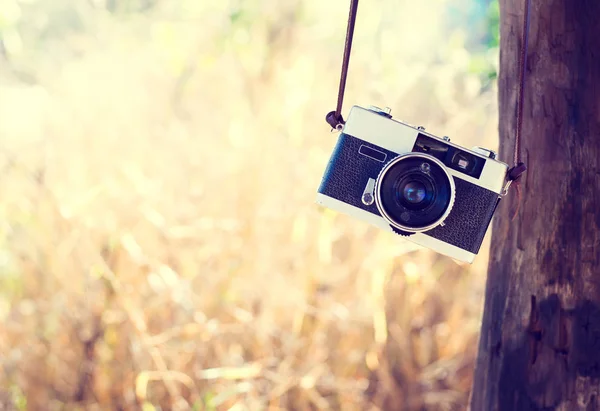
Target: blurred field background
159, 243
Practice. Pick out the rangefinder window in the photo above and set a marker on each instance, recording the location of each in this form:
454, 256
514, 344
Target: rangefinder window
431, 146
452, 157
464, 162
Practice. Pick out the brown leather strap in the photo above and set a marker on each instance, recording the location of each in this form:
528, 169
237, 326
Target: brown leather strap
519, 166
334, 118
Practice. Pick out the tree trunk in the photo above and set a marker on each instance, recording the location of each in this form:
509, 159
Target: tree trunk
540, 339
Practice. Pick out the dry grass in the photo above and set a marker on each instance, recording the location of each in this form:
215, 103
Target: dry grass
159, 243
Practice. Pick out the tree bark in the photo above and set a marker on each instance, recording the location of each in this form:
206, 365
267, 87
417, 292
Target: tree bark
539, 347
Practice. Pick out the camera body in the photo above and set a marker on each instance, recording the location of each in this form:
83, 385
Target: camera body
399, 178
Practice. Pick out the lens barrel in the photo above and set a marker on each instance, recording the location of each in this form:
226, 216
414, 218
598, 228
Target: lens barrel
414, 192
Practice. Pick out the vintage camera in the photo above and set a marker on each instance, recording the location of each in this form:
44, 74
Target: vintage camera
398, 177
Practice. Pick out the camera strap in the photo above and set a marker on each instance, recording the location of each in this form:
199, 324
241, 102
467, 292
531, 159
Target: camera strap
519, 166
334, 118
336, 121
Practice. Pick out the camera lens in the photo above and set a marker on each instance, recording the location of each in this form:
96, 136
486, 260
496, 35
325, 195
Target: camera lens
414, 192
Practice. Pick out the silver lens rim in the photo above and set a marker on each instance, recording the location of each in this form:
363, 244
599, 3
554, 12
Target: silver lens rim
391, 164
